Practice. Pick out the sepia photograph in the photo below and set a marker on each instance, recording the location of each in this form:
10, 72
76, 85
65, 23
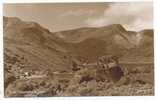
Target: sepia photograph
78, 49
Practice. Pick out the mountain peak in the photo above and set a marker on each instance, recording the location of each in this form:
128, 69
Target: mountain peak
116, 27
17, 29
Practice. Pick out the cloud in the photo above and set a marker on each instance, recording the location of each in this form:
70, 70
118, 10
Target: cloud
133, 16
79, 12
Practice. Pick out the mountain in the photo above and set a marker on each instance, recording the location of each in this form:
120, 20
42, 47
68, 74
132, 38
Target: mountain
56, 50
37, 44
114, 39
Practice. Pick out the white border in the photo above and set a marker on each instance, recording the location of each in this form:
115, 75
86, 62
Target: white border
70, 98
154, 27
1, 52
48, 1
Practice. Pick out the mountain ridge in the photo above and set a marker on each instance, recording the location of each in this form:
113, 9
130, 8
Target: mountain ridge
57, 49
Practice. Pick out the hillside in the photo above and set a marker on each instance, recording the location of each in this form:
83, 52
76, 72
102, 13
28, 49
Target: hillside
30, 49
45, 48
34, 42
113, 39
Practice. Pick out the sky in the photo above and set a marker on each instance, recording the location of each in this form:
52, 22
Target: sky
133, 16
